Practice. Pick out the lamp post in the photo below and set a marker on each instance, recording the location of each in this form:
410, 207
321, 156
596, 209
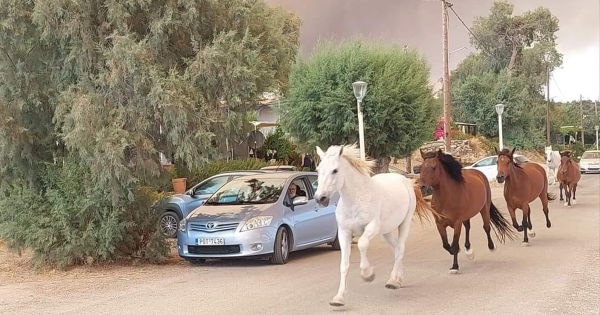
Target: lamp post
596, 127
360, 89
500, 111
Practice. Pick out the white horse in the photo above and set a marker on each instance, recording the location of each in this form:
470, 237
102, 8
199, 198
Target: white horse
553, 162
368, 206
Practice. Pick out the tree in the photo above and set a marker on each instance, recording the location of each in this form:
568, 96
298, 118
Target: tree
515, 55
320, 108
107, 85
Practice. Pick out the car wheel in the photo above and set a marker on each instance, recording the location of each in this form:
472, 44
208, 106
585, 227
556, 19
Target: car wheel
336, 243
168, 224
582, 172
196, 261
282, 247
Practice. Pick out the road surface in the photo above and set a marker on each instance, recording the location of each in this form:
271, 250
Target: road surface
558, 274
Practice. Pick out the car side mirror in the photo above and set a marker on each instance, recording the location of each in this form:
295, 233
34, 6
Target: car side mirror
299, 201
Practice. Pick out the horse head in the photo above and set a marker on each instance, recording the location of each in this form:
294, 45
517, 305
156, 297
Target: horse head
549, 154
435, 165
565, 161
505, 161
336, 164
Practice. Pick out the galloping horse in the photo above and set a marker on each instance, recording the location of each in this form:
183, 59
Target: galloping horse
368, 206
524, 183
568, 177
553, 162
458, 195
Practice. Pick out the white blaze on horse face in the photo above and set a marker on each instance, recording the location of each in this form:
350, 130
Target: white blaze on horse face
549, 154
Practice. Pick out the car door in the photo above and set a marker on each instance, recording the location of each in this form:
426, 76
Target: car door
326, 216
488, 167
306, 217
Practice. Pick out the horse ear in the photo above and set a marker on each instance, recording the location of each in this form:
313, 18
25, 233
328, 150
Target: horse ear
513, 151
423, 156
320, 152
497, 152
440, 153
341, 150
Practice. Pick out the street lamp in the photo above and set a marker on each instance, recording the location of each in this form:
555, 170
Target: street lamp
360, 89
500, 111
596, 127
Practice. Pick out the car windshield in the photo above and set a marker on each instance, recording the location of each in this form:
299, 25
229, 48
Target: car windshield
591, 155
248, 191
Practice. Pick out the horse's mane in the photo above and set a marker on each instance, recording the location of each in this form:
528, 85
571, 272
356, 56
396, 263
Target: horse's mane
506, 153
352, 154
450, 164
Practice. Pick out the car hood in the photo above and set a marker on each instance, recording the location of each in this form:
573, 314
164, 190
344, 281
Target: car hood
230, 212
589, 161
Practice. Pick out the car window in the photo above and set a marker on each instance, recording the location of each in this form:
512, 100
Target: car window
314, 181
591, 155
211, 185
520, 159
299, 189
485, 162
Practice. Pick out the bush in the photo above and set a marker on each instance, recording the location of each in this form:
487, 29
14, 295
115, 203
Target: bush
217, 167
71, 221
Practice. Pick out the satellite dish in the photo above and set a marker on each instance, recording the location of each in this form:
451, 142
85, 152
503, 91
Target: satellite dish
256, 139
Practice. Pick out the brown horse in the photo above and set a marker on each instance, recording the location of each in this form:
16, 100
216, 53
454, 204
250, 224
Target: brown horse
522, 185
568, 177
458, 195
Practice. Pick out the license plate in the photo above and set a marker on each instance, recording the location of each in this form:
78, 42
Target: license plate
210, 241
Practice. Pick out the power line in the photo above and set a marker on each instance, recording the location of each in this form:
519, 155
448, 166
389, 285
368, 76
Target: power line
556, 83
463, 23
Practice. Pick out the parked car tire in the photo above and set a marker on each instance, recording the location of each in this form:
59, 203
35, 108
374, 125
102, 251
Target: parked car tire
196, 261
336, 243
281, 252
169, 223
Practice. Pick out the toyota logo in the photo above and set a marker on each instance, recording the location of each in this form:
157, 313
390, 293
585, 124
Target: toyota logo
210, 225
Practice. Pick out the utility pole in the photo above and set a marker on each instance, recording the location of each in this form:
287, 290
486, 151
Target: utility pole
446, 83
548, 142
581, 109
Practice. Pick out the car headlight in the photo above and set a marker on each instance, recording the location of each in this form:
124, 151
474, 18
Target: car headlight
257, 222
183, 225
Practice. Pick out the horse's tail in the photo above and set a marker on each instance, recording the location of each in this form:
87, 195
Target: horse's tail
502, 227
423, 208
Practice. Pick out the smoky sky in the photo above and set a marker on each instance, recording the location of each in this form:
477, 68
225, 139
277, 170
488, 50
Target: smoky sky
418, 23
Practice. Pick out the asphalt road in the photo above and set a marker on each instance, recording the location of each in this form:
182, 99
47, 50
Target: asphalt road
558, 274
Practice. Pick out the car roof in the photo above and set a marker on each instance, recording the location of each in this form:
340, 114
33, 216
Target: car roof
276, 175
594, 151
242, 172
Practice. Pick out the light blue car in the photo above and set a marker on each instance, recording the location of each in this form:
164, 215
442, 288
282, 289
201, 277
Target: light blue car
254, 217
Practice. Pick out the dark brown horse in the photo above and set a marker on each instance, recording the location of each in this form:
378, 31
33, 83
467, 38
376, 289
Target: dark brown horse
522, 185
568, 177
458, 195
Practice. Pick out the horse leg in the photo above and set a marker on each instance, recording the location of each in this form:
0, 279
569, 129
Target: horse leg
560, 189
371, 230
345, 239
485, 215
574, 190
526, 214
568, 195
443, 234
455, 246
530, 226
544, 198
468, 250
397, 275
513, 216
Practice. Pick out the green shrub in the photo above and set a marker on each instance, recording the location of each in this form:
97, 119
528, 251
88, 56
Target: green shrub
217, 167
71, 221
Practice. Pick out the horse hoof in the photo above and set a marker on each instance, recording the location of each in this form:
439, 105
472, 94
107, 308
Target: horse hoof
337, 302
548, 225
569, 206
525, 244
367, 274
470, 254
574, 201
453, 271
493, 249
566, 204
531, 233
393, 284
